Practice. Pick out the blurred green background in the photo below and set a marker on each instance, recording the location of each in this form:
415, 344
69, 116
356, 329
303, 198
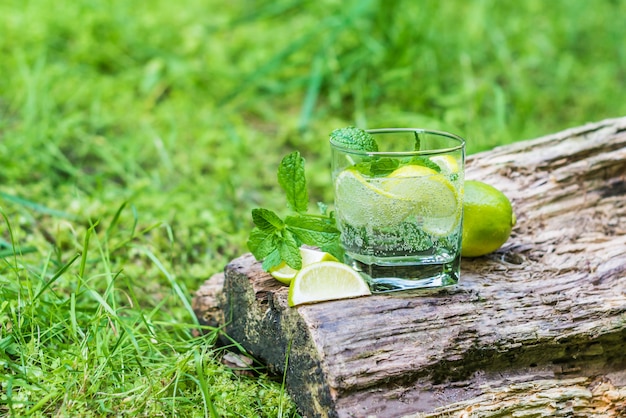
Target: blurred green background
135, 138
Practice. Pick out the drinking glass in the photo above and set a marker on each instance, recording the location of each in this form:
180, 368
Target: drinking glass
400, 209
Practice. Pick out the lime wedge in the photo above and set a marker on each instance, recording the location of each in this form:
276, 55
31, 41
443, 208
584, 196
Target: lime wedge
447, 163
285, 274
326, 280
435, 199
360, 202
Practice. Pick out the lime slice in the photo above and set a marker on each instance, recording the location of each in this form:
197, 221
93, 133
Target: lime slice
435, 199
327, 280
360, 202
447, 163
285, 274
412, 170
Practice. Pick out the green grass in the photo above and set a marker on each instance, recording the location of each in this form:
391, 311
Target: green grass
135, 137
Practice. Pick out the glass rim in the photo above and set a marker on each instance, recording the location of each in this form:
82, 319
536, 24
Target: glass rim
460, 143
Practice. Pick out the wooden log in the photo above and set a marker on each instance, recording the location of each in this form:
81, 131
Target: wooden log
536, 329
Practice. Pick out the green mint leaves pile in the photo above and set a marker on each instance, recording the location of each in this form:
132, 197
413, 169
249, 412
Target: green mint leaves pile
275, 240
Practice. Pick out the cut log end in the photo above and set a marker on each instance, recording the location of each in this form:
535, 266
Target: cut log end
208, 302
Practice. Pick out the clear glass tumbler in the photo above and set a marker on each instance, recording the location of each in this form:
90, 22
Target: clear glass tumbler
400, 209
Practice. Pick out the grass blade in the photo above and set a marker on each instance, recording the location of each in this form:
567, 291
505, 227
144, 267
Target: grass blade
182, 296
58, 274
83, 260
37, 207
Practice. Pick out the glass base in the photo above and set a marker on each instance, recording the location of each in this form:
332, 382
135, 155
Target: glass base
395, 275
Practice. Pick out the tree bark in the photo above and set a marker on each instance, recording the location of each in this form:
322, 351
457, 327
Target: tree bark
535, 329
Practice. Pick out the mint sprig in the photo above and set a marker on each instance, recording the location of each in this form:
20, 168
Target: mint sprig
275, 240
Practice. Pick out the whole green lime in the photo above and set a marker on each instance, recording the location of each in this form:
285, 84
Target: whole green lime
488, 219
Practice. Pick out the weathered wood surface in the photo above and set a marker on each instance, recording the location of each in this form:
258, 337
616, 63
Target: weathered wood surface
536, 329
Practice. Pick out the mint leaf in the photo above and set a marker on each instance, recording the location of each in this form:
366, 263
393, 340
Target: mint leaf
271, 260
426, 162
383, 166
266, 220
293, 181
354, 138
319, 232
312, 231
379, 167
267, 237
289, 249
274, 247
261, 243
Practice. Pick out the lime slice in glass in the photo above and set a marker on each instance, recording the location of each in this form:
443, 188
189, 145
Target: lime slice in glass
360, 202
326, 280
447, 163
435, 199
285, 274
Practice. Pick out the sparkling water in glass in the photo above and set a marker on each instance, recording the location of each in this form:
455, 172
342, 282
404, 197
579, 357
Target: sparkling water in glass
400, 209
